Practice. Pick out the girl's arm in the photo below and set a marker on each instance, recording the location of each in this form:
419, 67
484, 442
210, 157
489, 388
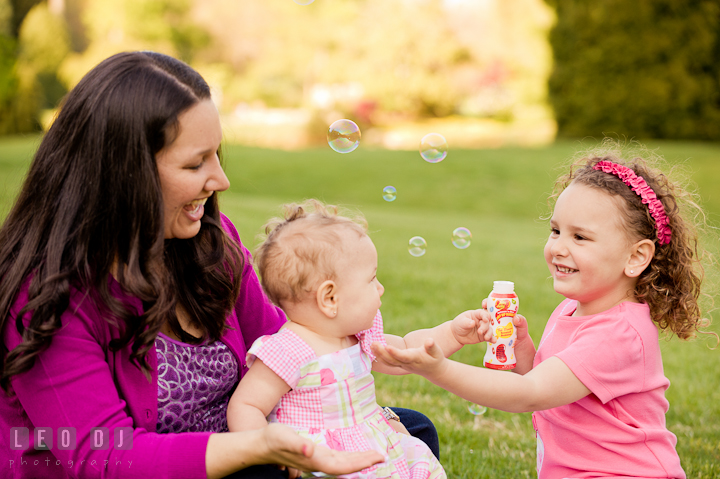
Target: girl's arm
468, 327
254, 398
278, 444
524, 346
550, 384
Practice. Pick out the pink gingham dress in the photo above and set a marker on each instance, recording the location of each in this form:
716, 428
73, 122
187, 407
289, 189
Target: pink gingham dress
332, 402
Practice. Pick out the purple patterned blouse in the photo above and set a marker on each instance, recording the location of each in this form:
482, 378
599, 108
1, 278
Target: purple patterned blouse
194, 385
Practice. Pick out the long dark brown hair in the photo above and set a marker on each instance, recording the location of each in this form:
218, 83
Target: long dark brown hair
91, 206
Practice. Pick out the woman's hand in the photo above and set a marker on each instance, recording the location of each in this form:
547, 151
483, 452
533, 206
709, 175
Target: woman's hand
285, 446
399, 427
427, 360
228, 452
293, 473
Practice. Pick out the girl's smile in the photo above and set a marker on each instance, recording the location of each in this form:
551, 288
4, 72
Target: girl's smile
561, 270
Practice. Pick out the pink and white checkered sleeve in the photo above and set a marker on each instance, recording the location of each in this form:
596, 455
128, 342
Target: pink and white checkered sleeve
282, 353
372, 335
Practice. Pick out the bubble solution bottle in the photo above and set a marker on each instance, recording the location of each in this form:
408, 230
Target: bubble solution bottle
502, 304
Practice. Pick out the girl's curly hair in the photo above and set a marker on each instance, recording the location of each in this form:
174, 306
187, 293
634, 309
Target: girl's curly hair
671, 284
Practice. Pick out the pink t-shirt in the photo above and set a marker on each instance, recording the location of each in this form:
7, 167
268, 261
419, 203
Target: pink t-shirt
619, 429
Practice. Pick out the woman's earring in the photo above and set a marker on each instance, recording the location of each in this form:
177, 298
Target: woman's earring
334, 313
632, 272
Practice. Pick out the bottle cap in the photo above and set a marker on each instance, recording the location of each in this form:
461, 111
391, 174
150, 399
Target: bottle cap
503, 287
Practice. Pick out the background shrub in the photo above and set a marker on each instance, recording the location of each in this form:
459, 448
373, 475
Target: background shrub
643, 69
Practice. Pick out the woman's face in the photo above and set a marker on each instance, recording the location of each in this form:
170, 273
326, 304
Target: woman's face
190, 170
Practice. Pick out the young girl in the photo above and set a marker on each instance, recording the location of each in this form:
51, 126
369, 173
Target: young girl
624, 257
315, 373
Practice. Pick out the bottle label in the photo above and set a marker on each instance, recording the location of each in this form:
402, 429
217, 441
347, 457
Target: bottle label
503, 308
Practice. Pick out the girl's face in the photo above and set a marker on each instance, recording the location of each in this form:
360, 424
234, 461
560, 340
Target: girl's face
359, 290
588, 250
190, 170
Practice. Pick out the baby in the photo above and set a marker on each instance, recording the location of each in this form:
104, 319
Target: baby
315, 373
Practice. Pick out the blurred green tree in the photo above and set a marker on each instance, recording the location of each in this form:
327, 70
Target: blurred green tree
44, 43
112, 26
403, 55
646, 68
377, 61
167, 21
408, 59
29, 65
6, 15
20, 9
8, 78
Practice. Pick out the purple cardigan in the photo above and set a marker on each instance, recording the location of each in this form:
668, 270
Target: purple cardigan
79, 382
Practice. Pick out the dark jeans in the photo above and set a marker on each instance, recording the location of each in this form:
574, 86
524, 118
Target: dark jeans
420, 426
416, 423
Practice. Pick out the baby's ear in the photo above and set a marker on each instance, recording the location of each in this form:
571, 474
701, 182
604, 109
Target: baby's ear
640, 256
327, 299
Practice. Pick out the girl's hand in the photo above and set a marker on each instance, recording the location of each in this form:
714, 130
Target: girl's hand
285, 446
522, 328
471, 327
524, 346
519, 321
427, 360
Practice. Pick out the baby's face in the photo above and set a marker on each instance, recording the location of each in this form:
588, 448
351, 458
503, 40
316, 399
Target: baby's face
359, 290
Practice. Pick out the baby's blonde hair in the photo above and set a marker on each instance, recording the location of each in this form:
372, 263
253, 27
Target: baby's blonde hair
301, 250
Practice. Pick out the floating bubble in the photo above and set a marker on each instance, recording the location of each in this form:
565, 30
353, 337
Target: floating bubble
433, 148
389, 193
476, 409
343, 136
417, 246
461, 238
303, 2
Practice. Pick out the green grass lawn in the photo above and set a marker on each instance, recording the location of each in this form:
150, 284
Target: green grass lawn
499, 195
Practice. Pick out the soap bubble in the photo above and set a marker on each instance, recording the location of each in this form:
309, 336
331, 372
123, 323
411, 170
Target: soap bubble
461, 238
303, 2
417, 246
476, 409
343, 136
433, 148
389, 193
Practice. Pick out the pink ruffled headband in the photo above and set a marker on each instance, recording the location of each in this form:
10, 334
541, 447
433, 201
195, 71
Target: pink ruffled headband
641, 188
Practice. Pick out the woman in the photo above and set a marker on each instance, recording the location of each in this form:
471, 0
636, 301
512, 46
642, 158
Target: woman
126, 299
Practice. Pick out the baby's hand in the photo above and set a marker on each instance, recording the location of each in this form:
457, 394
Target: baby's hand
427, 360
472, 327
